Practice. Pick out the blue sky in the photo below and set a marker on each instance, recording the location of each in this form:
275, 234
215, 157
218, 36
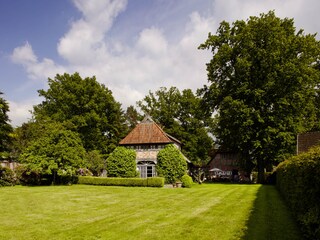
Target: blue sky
131, 46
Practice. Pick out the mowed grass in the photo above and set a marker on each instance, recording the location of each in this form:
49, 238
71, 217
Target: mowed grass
207, 211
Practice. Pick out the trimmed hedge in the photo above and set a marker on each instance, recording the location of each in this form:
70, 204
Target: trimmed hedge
186, 181
298, 179
130, 182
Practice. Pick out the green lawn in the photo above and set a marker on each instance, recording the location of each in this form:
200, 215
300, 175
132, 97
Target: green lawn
208, 211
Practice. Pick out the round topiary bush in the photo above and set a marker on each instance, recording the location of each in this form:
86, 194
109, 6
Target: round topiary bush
122, 163
186, 181
171, 164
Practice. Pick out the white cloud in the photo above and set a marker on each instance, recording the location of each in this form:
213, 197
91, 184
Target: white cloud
130, 70
304, 12
84, 42
25, 56
20, 111
151, 41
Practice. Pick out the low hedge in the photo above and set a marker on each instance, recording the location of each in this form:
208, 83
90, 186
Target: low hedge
130, 182
298, 179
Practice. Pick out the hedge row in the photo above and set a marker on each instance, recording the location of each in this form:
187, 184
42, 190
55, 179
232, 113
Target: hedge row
298, 179
131, 182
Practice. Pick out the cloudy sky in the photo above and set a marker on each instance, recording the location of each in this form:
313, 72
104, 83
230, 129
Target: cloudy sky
131, 46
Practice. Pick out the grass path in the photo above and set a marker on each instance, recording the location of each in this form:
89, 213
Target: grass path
208, 211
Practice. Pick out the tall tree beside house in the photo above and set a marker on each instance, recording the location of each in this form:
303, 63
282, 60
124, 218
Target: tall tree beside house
86, 107
5, 126
262, 80
179, 113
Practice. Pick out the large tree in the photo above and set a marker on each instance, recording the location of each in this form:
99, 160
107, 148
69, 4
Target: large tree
57, 152
181, 116
5, 126
86, 107
262, 79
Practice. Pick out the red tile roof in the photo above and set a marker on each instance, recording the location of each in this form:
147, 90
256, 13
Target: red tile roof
147, 132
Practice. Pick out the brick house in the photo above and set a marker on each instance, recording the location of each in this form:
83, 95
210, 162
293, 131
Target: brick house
225, 165
147, 139
307, 140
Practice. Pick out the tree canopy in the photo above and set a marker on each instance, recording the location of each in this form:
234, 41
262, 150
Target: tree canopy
86, 107
262, 82
57, 152
181, 116
5, 126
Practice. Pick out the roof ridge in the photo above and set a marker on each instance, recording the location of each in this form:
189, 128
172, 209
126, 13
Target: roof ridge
147, 132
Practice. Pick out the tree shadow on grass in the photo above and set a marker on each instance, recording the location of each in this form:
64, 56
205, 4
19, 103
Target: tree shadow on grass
270, 218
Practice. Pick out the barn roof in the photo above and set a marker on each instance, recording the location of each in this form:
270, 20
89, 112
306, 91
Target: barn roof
147, 132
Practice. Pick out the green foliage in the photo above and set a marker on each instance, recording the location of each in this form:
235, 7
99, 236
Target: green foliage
130, 182
58, 152
7, 177
122, 163
28, 176
95, 162
171, 164
186, 181
298, 179
155, 181
86, 107
263, 83
132, 117
182, 117
5, 127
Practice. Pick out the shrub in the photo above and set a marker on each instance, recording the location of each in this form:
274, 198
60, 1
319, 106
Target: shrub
155, 182
298, 179
131, 182
186, 181
122, 163
95, 162
32, 177
171, 164
7, 177
26, 176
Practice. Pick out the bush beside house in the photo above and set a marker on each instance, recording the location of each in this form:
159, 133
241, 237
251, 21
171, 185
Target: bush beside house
298, 179
171, 164
122, 163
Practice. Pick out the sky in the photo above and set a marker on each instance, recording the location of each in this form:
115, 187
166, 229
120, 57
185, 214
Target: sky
131, 46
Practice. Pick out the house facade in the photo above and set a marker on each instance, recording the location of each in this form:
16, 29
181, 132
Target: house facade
147, 139
224, 165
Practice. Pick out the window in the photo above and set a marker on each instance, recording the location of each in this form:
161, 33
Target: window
147, 170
